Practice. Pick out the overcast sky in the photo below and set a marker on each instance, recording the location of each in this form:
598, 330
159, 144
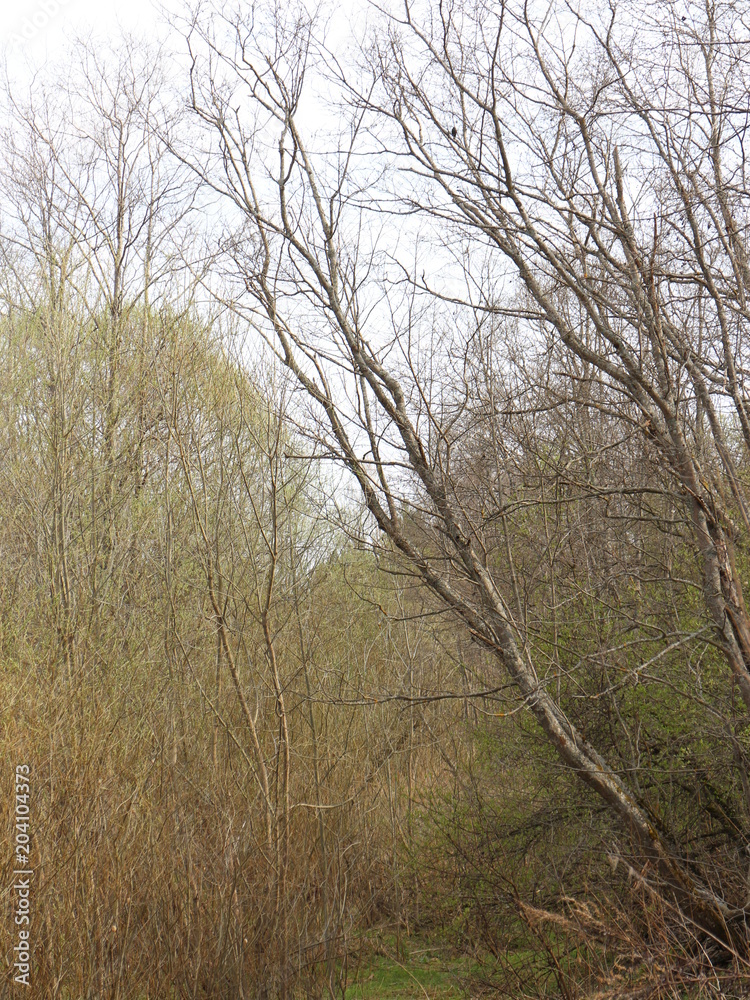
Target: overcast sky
34, 32
37, 29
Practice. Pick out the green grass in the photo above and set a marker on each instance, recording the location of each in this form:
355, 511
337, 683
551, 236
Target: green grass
421, 972
425, 969
384, 979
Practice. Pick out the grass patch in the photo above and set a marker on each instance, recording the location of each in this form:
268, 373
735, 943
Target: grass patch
420, 971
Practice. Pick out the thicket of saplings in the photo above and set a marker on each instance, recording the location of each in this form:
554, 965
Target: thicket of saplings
199, 667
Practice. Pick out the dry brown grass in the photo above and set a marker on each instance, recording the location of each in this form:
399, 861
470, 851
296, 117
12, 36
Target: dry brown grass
151, 874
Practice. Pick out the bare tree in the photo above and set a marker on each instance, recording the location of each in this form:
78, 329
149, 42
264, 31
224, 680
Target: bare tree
605, 178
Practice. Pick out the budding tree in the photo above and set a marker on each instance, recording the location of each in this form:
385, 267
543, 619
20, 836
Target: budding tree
93, 212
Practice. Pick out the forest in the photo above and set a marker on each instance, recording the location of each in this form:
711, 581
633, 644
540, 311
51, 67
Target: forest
375, 505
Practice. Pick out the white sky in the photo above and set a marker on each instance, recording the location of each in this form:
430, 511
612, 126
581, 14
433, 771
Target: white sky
36, 30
